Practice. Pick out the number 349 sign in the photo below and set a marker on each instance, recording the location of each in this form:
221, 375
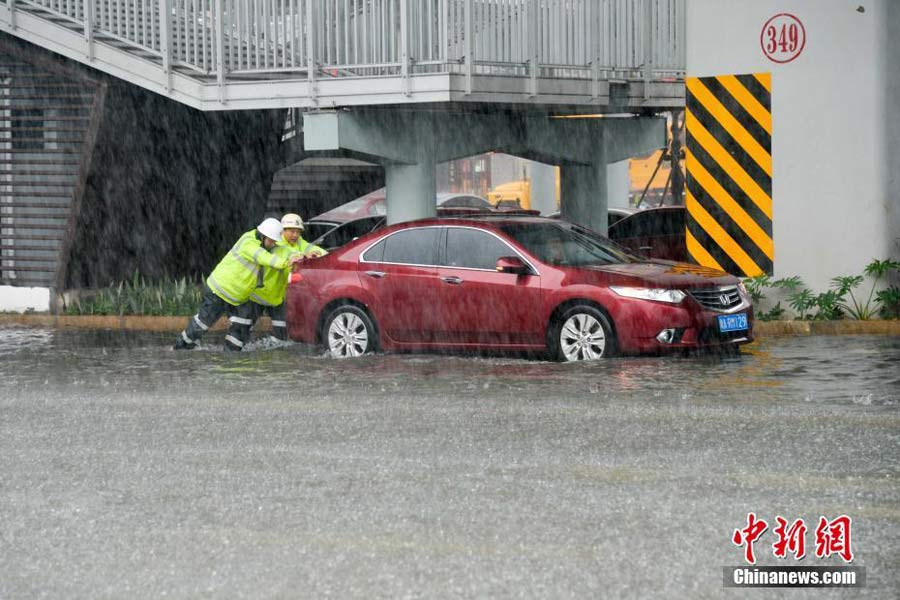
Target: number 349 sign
782, 38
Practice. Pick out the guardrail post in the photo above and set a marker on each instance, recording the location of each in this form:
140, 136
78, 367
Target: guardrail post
12, 14
89, 28
312, 28
534, 50
648, 45
220, 50
595, 36
469, 33
404, 46
165, 40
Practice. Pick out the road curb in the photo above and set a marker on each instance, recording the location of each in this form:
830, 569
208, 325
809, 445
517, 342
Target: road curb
805, 328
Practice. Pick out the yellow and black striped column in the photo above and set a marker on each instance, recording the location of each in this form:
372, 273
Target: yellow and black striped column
728, 125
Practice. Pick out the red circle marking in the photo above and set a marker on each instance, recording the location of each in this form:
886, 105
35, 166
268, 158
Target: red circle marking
783, 57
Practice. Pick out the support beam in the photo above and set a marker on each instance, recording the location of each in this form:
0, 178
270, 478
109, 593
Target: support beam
408, 143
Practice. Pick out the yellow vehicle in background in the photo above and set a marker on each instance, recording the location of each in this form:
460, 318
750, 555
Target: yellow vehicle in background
514, 194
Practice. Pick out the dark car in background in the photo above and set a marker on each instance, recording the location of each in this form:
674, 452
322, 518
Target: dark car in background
653, 232
510, 283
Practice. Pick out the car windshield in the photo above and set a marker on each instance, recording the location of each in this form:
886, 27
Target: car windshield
560, 245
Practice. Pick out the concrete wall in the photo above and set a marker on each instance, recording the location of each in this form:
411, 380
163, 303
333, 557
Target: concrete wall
835, 133
890, 69
170, 188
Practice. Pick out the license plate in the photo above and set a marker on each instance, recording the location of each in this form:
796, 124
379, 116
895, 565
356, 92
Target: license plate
736, 322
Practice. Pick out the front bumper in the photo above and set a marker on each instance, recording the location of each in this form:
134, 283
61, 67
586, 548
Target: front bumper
671, 327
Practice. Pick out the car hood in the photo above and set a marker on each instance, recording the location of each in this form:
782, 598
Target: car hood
665, 274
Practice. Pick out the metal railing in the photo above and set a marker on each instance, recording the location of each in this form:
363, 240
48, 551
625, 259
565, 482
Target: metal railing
239, 39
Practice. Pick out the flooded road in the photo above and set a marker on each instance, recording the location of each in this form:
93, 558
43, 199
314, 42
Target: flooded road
129, 470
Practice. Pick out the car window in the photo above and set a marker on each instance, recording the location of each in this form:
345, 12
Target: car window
473, 249
314, 231
375, 253
409, 246
559, 243
348, 232
649, 223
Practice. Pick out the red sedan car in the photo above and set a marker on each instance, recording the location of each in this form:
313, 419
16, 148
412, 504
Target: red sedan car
514, 283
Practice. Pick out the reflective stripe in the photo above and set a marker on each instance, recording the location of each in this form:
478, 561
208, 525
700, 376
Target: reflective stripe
256, 254
258, 300
247, 265
185, 337
234, 340
200, 323
212, 283
273, 261
240, 321
279, 323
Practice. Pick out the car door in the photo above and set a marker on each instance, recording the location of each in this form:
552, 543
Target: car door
399, 273
477, 304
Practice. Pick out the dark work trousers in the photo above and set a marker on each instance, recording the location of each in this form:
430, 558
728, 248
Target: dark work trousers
249, 313
211, 309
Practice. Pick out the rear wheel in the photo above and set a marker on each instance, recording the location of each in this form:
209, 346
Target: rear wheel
581, 333
349, 332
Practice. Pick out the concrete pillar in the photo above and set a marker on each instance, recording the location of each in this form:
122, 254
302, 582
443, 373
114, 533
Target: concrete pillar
410, 191
583, 195
543, 187
618, 184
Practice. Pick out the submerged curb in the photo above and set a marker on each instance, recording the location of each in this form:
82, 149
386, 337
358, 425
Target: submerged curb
125, 322
176, 324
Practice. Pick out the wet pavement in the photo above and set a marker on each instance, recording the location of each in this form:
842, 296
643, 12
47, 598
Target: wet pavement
131, 471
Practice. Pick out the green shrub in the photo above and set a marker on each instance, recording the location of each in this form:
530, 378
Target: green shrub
173, 297
836, 303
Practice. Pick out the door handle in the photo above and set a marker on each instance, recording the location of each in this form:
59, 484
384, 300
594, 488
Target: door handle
453, 280
645, 247
376, 274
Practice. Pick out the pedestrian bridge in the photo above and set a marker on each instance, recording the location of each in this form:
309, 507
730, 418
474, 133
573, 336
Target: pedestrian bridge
170, 115
261, 54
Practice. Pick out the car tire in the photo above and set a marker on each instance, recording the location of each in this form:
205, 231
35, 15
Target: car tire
349, 332
581, 332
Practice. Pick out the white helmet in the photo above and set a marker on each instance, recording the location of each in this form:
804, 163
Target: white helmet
270, 228
292, 221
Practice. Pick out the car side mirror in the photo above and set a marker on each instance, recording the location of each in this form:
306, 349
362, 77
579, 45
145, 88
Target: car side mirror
512, 264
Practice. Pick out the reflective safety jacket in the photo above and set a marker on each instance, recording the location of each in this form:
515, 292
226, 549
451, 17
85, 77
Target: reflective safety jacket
237, 275
275, 281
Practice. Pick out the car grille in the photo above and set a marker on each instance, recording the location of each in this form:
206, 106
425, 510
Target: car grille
720, 299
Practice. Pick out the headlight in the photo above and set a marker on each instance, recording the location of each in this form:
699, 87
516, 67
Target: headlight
743, 289
657, 295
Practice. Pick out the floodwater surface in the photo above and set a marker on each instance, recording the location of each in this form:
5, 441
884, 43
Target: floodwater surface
130, 470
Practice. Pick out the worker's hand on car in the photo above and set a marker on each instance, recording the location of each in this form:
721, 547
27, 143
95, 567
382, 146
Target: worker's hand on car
316, 252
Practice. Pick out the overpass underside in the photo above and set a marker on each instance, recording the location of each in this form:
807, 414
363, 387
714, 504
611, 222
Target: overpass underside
197, 88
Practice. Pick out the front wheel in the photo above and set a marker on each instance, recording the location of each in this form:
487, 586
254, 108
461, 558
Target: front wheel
581, 333
349, 332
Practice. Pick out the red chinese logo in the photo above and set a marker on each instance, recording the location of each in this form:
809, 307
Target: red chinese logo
832, 537
782, 38
790, 539
748, 535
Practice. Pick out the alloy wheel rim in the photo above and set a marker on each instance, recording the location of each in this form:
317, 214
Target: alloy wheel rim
582, 338
347, 336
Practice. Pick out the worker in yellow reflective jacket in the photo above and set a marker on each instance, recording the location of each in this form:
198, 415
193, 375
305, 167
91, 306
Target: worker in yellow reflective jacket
237, 276
269, 299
